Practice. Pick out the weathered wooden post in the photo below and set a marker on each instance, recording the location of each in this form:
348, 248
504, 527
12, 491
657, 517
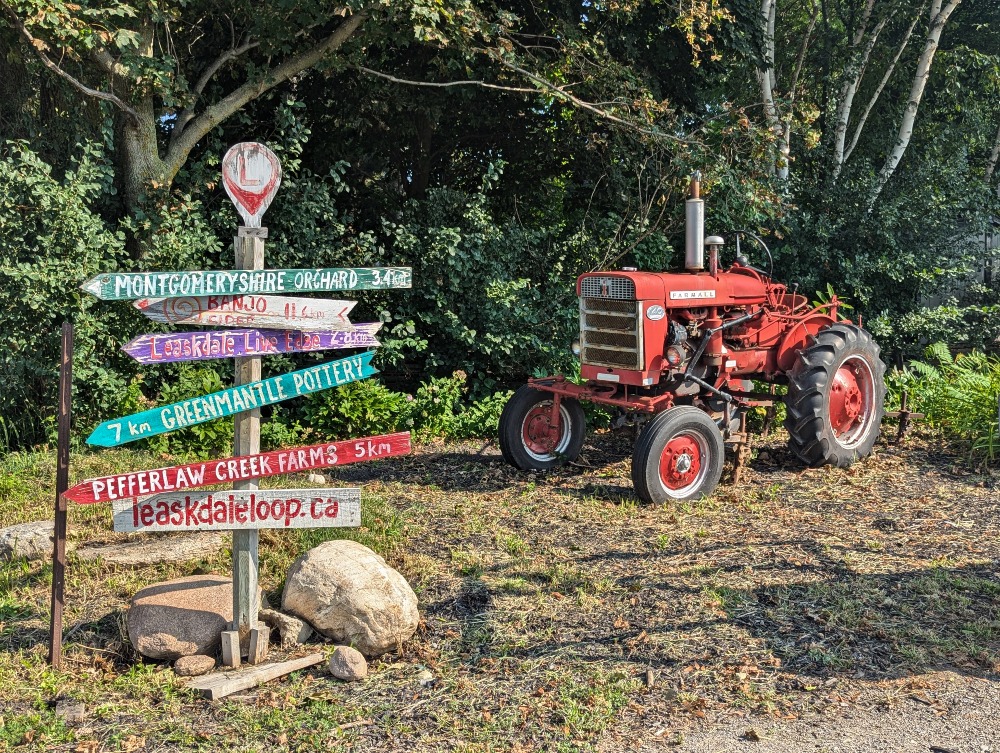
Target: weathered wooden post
242, 298
251, 175
62, 482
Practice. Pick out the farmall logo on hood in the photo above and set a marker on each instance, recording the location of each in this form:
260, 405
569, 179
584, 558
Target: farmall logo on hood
684, 295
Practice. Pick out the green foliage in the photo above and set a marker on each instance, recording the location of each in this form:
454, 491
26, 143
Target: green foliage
355, 409
51, 240
201, 441
959, 395
439, 408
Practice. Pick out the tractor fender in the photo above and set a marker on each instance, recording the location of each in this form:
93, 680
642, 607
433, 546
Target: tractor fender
798, 338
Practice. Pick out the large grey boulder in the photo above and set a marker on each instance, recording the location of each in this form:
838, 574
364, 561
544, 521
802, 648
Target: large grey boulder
348, 593
181, 617
28, 540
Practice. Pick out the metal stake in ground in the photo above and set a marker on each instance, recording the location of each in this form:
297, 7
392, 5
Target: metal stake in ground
251, 175
62, 483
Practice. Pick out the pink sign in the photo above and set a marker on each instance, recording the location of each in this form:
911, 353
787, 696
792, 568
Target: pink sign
251, 175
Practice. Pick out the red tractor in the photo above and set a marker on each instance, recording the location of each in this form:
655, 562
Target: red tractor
679, 352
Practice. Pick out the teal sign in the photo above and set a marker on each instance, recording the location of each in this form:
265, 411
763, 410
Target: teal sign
198, 410
124, 286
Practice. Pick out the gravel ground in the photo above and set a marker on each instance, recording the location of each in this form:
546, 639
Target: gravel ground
959, 714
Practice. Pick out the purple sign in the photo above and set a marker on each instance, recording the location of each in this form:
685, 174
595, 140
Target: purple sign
237, 343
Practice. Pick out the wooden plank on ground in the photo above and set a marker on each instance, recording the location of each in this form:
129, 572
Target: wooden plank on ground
220, 684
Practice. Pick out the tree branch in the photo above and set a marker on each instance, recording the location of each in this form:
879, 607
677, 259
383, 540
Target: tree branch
215, 114
187, 114
878, 90
560, 93
854, 71
444, 84
38, 46
939, 17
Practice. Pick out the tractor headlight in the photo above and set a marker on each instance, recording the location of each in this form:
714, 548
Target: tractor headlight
575, 347
675, 356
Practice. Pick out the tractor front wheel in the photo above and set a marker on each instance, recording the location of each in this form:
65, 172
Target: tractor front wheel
531, 440
678, 456
836, 395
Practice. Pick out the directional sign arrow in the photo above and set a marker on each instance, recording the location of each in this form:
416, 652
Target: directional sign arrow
241, 468
252, 310
239, 343
198, 410
219, 511
124, 286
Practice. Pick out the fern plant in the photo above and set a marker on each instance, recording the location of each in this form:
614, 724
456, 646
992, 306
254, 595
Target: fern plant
957, 394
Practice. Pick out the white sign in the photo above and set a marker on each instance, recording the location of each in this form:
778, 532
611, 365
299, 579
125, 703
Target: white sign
249, 509
251, 175
684, 295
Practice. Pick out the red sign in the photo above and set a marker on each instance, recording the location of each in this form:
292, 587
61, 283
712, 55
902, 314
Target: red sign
240, 468
251, 175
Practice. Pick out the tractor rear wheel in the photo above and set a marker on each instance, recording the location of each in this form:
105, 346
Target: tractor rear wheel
836, 395
678, 456
529, 441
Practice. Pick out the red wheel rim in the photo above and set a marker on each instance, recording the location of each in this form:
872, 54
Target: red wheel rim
682, 462
540, 438
850, 404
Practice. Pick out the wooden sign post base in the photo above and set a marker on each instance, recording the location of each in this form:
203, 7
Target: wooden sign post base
249, 255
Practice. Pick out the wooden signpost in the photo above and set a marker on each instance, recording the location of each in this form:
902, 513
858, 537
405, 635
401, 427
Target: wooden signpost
245, 396
240, 468
125, 286
159, 499
250, 310
235, 343
238, 510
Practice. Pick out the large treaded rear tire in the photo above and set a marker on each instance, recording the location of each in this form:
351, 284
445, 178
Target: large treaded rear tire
836, 395
526, 440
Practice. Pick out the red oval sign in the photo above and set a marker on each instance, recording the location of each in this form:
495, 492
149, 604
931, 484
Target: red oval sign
251, 175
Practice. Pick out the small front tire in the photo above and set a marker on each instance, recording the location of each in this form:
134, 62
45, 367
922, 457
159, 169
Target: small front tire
527, 438
678, 456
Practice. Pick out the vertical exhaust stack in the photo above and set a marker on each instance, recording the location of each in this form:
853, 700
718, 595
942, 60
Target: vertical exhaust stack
694, 242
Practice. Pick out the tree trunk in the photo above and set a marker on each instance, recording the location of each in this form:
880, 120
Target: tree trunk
765, 77
141, 168
853, 73
939, 17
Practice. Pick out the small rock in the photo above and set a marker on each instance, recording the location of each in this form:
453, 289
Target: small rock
28, 540
71, 711
426, 678
752, 735
293, 631
348, 593
348, 664
316, 478
192, 666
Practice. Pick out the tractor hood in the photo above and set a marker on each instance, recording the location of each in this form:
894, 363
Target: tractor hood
737, 287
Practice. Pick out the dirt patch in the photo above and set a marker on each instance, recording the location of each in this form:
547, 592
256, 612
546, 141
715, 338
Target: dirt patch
560, 614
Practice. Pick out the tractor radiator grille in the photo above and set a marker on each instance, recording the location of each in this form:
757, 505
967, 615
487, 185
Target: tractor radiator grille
621, 288
609, 332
